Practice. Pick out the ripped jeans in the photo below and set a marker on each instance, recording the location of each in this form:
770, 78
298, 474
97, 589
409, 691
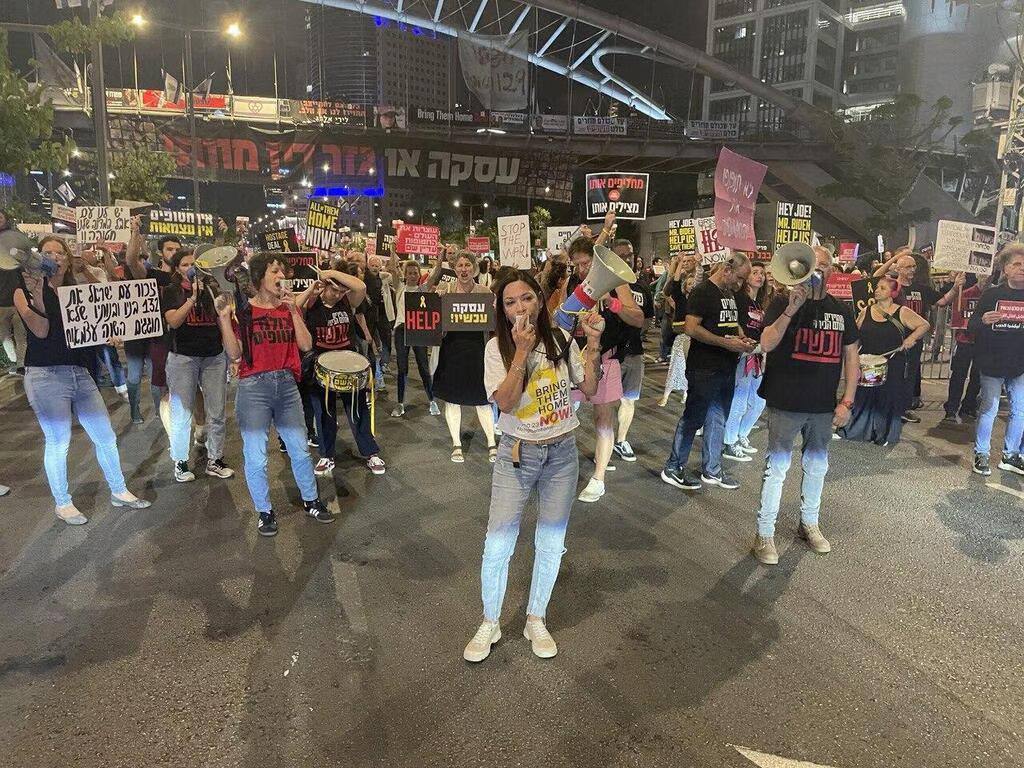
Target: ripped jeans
553, 470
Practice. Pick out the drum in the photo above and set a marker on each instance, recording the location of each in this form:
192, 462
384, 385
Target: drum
346, 371
873, 370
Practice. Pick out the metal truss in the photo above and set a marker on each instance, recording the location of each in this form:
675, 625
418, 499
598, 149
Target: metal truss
570, 39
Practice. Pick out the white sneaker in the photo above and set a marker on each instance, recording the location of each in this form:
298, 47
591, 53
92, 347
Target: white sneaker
323, 467
217, 468
541, 641
593, 491
182, 473
479, 648
122, 391
376, 465
398, 411
434, 409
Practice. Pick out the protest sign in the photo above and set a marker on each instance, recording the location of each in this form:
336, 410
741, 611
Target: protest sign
838, 285
95, 312
36, 230
863, 293
278, 240
384, 241
964, 247
478, 244
467, 312
496, 69
418, 238
161, 221
712, 129
599, 126
848, 252
447, 276
560, 237
63, 217
710, 250
737, 185
624, 193
302, 270
792, 224
371, 245
963, 308
135, 207
514, 241
321, 225
1013, 315
422, 319
103, 224
682, 236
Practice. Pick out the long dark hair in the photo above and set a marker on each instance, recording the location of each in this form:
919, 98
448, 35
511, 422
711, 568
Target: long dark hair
546, 334
205, 299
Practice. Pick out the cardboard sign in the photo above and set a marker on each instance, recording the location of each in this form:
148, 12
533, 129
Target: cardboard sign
1014, 311
103, 224
279, 240
478, 245
624, 193
839, 283
418, 238
514, 241
682, 236
64, 217
792, 224
321, 225
302, 267
737, 185
848, 252
560, 237
161, 221
964, 247
384, 241
95, 312
710, 250
422, 319
36, 230
371, 245
467, 312
863, 292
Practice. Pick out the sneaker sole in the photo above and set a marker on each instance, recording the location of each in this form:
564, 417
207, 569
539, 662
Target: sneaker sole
715, 481
666, 479
478, 659
323, 472
378, 471
220, 475
744, 457
981, 472
184, 479
266, 534
589, 500
764, 561
1011, 468
318, 520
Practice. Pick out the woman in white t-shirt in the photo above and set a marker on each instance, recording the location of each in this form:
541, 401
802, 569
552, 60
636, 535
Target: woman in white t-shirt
530, 367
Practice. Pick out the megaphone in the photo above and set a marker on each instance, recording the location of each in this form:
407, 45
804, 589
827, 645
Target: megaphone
607, 272
793, 263
214, 261
15, 247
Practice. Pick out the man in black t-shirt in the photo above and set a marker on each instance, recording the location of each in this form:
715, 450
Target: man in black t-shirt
713, 324
810, 338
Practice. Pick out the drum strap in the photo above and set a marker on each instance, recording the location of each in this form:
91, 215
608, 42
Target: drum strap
355, 395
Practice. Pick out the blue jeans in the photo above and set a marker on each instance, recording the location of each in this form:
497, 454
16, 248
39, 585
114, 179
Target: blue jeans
262, 400
55, 393
747, 405
108, 356
988, 407
783, 427
402, 353
326, 420
708, 399
184, 375
553, 470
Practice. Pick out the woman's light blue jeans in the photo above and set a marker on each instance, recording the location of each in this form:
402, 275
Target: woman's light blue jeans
262, 400
55, 393
553, 470
747, 406
185, 375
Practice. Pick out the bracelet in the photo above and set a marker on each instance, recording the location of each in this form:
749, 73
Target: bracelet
517, 367
789, 315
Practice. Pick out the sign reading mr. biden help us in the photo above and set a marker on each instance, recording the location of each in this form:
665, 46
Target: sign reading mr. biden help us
95, 312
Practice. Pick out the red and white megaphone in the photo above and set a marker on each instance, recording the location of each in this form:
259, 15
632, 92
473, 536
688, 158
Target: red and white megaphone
607, 272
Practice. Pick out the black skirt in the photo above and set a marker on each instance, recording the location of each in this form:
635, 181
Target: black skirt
459, 377
877, 411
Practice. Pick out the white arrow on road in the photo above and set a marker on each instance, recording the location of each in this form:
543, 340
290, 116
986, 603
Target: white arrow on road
765, 760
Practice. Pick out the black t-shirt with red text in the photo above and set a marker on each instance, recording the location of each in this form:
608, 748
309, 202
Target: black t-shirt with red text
199, 335
920, 298
802, 372
331, 327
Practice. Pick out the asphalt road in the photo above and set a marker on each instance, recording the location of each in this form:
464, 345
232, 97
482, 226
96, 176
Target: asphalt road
175, 636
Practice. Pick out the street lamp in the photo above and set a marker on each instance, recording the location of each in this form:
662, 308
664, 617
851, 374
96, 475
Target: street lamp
410, 213
138, 20
456, 203
233, 30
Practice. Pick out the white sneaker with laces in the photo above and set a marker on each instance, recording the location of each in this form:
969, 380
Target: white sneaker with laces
398, 411
434, 409
479, 648
376, 465
745, 446
323, 467
541, 641
593, 491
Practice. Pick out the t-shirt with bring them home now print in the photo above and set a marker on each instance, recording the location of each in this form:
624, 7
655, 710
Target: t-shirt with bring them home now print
545, 409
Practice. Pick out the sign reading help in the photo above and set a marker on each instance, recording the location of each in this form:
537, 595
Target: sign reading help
103, 224
467, 312
514, 241
95, 312
422, 319
682, 236
737, 184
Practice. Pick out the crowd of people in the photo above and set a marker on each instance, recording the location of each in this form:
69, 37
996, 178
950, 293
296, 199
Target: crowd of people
741, 347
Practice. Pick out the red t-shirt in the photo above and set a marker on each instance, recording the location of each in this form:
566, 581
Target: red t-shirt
963, 308
268, 340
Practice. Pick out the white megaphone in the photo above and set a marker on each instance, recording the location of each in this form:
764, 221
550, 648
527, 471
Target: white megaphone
794, 263
214, 260
607, 272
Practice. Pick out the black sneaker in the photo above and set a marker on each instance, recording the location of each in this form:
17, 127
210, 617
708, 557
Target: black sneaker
981, 466
910, 418
916, 404
968, 414
624, 451
680, 479
266, 524
722, 479
951, 418
182, 473
1012, 462
317, 511
735, 453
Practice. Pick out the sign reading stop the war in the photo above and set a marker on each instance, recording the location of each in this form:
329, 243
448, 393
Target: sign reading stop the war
737, 184
418, 238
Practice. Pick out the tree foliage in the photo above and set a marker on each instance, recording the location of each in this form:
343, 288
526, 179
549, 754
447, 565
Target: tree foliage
540, 218
73, 36
141, 174
26, 123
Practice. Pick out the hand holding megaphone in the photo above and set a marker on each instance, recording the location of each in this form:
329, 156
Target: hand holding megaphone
593, 326
797, 296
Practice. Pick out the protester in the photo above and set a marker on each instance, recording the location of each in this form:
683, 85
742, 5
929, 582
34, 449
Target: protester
747, 405
12, 331
530, 367
486, 276
999, 355
962, 405
328, 306
680, 266
379, 293
195, 361
58, 385
810, 338
459, 378
619, 310
888, 329
408, 281
267, 340
716, 341
675, 379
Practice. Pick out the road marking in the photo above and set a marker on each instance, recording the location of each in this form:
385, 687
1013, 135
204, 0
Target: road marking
349, 596
765, 760
1004, 489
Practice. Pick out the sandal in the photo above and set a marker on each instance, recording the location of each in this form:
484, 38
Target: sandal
492, 453
457, 456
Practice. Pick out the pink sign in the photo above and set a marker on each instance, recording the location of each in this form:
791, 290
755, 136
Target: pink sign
418, 238
840, 285
737, 183
478, 244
